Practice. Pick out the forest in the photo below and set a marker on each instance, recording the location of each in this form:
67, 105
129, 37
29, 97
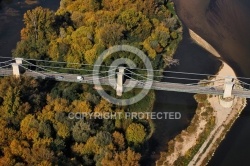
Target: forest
35, 128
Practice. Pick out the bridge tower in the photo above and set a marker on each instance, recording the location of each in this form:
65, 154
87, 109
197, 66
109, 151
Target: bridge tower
227, 99
228, 87
120, 79
16, 68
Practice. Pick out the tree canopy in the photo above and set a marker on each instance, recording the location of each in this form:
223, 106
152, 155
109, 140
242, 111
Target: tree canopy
79, 31
35, 125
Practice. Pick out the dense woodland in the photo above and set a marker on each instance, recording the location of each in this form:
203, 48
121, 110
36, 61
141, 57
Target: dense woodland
35, 128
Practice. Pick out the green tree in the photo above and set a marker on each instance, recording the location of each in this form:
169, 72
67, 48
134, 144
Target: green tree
37, 34
82, 131
111, 34
126, 158
103, 138
135, 133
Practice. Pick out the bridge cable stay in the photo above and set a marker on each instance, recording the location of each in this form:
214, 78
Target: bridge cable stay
244, 83
44, 67
175, 72
70, 63
190, 79
7, 61
171, 82
68, 73
203, 87
41, 67
5, 66
33, 71
142, 82
245, 78
66, 68
5, 57
31, 64
101, 72
206, 81
103, 77
141, 76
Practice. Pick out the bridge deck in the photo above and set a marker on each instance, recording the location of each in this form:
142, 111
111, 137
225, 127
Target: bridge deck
177, 87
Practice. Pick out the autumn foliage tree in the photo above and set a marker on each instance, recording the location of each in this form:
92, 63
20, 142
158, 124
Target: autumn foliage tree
37, 34
97, 25
135, 133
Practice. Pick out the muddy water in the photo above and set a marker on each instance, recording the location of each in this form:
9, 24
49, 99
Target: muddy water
225, 24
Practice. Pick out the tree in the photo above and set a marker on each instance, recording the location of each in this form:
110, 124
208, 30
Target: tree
135, 133
82, 131
78, 106
29, 127
119, 140
111, 34
62, 130
103, 106
37, 34
92, 54
103, 138
45, 128
11, 101
124, 158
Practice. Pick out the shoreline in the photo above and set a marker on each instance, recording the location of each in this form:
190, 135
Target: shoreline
191, 148
224, 123
225, 118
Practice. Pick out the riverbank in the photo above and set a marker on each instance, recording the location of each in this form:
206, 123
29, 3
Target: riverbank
198, 142
225, 118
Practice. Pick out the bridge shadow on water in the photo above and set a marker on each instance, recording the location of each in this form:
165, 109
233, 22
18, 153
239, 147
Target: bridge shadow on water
193, 59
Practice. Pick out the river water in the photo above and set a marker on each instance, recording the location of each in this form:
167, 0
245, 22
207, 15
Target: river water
225, 24
195, 14
193, 59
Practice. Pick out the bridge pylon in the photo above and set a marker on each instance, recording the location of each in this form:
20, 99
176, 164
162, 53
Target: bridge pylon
16, 68
227, 99
119, 81
228, 87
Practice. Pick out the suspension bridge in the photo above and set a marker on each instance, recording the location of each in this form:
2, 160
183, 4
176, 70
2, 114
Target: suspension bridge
121, 78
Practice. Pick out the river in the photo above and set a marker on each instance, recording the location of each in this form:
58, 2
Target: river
225, 25
193, 59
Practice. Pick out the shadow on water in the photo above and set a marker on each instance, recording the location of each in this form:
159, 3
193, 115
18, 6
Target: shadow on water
193, 59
